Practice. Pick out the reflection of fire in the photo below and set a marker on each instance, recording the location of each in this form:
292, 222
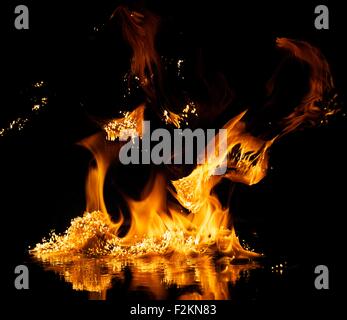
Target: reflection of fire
179, 239
198, 277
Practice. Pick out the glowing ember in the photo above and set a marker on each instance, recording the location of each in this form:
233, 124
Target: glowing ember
177, 119
130, 122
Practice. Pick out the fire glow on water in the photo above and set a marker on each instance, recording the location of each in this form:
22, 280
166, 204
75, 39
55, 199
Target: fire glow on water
184, 241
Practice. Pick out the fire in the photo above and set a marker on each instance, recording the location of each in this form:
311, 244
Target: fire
157, 226
182, 237
160, 232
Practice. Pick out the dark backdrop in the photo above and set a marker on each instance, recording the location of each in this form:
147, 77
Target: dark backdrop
297, 210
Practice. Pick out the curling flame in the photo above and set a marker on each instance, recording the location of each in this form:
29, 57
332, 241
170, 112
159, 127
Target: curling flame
320, 85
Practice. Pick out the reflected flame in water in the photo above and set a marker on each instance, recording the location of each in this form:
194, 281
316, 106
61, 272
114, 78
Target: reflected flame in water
192, 278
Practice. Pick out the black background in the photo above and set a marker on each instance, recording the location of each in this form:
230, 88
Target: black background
297, 209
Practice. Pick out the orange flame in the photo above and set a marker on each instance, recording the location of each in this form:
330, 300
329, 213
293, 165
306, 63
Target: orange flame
139, 30
320, 84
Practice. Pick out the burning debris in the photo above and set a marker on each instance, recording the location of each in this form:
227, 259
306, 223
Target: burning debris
38, 102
